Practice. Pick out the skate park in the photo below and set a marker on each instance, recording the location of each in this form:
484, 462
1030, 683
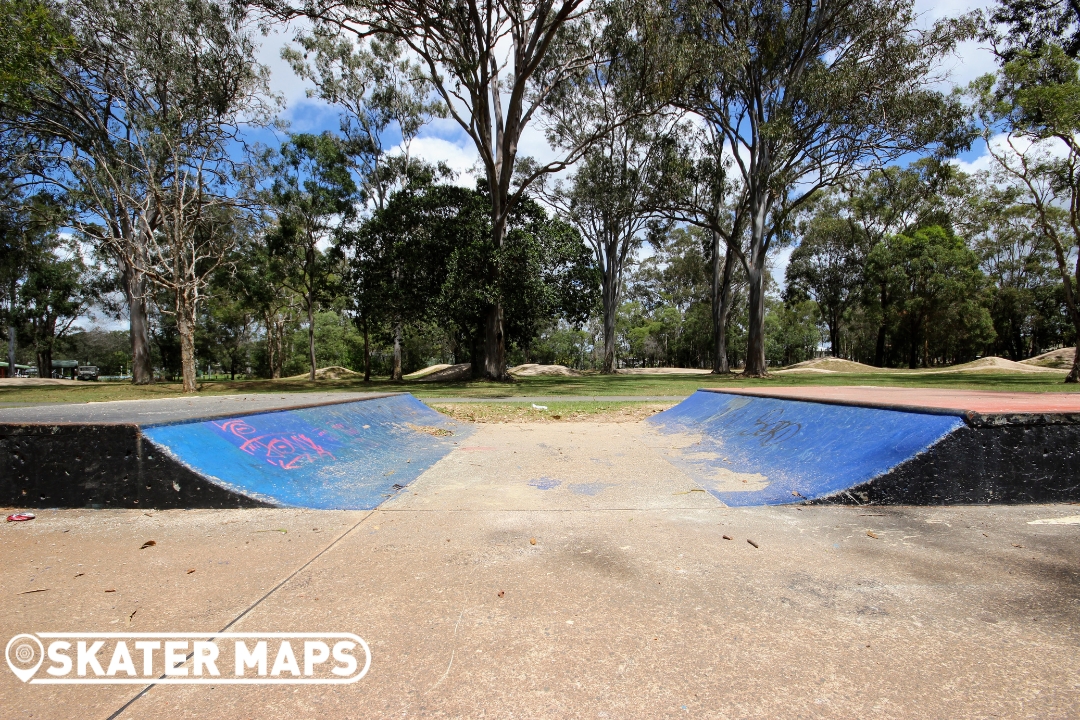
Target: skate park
921, 542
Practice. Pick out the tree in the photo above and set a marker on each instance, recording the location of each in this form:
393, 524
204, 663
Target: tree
428, 257
260, 279
1018, 260
140, 130
935, 282
32, 36
1033, 24
806, 96
46, 283
314, 194
494, 65
617, 189
703, 198
894, 201
1035, 103
827, 267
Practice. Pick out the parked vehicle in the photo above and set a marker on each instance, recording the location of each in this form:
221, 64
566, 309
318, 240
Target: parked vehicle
87, 372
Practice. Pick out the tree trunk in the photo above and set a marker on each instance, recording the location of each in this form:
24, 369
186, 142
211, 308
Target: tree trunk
311, 333
11, 334
610, 297
879, 349
494, 339
755, 346
721, 304
185, 327
142, 371
1074, 374
44, 362
367, 354
834, 334
396, 375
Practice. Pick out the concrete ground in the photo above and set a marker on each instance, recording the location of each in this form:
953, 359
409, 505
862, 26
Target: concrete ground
631, 603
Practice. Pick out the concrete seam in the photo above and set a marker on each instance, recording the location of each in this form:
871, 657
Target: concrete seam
251, 607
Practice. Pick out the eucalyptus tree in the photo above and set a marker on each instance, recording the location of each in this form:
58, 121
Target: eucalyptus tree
618, 186
827, 266
702, 196
494, 64
383, 97
1034, 103
806, 96
141, 129
315, 197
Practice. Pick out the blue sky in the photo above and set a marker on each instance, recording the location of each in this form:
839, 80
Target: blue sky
444, 141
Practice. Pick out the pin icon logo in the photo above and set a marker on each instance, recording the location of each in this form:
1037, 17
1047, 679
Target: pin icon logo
24, 655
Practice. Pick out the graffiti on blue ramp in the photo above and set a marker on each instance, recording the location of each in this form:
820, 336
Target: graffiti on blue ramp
347, 456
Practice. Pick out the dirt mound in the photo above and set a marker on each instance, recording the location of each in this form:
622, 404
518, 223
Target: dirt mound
534, 370
991, 364
664, 371
1061, 359
446, 373
426, 371
829, 364
334, 372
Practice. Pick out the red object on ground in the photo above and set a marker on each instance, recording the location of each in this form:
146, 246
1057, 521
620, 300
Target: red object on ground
902, 398
21, 517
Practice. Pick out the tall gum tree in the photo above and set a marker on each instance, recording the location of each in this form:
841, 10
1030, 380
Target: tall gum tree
1034, 103
494, 63
383, 96
807, 95
618, 187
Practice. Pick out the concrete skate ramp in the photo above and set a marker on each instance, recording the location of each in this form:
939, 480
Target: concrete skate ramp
860, 445
322, 452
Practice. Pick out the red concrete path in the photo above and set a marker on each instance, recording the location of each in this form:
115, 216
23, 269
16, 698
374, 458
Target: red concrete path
893, 397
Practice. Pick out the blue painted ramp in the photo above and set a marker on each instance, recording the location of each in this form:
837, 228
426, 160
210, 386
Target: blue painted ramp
766, 451
348, 456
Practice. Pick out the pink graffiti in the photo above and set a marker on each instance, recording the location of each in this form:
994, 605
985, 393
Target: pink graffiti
285, 451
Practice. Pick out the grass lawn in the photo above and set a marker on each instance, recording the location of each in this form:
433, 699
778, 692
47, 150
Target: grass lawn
590, 384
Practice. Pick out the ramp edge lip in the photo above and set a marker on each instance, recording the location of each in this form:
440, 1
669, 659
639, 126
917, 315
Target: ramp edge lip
970, 417
200, 418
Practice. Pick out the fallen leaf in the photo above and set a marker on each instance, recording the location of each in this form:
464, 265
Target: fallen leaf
1019, 546
132, 614
557, 417
728, 537
110, 591
27, 592
751, 542
148, 543
501, 593
191, 571
870, 534
532, 541
79, 574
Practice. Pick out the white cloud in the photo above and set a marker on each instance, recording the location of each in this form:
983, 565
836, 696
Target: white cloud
460, 157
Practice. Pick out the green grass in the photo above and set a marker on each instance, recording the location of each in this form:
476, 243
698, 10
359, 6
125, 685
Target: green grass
590, 384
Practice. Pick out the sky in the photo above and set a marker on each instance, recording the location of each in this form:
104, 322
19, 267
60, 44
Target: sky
444, 141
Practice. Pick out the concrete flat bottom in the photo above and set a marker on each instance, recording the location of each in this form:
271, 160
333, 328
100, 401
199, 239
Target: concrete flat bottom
630, 604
